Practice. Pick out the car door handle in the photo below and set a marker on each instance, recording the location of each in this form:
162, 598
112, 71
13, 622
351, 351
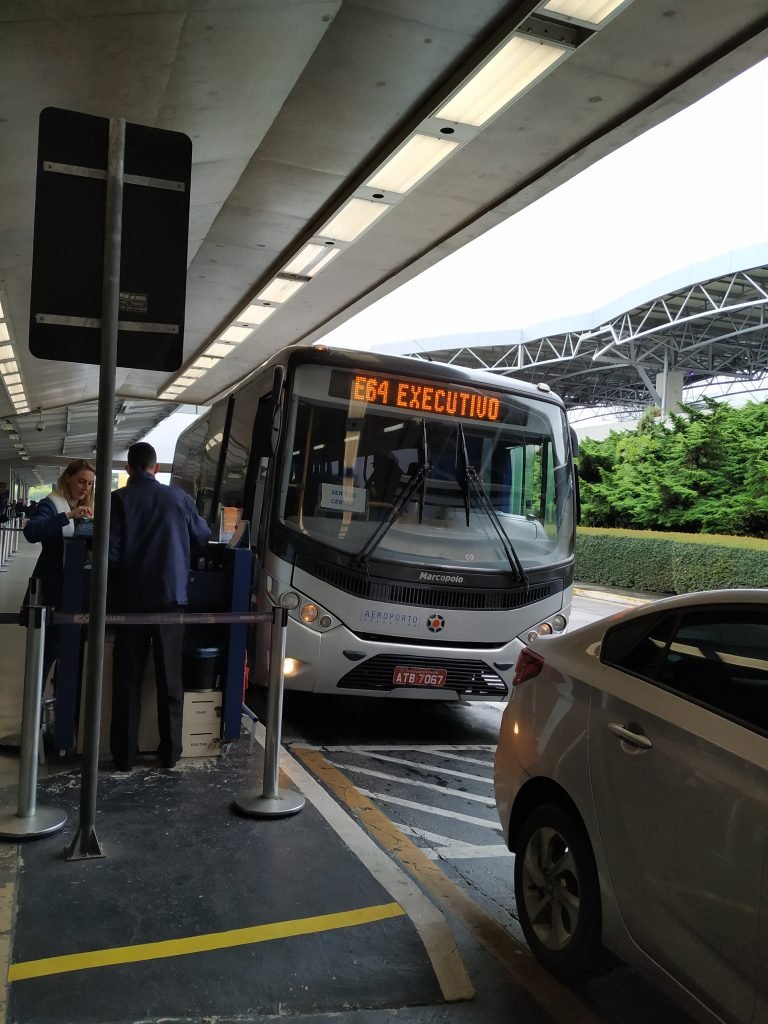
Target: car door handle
624, 732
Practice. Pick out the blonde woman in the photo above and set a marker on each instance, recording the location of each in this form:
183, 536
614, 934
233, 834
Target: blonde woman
55, 518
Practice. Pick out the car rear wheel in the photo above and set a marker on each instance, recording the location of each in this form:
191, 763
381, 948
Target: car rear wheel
557, 893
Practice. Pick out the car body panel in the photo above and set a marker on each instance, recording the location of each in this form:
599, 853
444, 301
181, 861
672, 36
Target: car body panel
679, 829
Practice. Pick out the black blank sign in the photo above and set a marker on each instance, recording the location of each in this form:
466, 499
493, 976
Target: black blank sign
68, 254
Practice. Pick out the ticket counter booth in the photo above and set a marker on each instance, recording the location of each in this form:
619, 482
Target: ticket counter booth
211, 716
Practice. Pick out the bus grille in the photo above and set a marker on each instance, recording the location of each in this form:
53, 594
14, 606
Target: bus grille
429, 596
462, 675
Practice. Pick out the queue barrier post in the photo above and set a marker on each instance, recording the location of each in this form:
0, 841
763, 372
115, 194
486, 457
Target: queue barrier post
270, 803
28, 820
17, 535
3, 546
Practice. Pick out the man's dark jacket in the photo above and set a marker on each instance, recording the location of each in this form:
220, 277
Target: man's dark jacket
154, 532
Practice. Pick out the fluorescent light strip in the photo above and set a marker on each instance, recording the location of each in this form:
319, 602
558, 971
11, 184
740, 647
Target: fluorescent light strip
4, 335
590, 12
204, 363
218, 351
12, 378
6, 352
192, 372
185, 382
15, 389
280, 289
518, 64
412, 162
355, 217
235, 335
255, 314
311, 259
11, 367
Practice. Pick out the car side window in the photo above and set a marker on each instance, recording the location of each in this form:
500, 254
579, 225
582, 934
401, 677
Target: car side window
719, 658
638, 646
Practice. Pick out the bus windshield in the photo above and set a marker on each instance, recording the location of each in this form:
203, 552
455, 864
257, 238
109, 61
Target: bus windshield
426, 473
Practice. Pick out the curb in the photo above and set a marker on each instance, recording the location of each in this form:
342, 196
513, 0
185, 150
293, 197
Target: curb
603, 595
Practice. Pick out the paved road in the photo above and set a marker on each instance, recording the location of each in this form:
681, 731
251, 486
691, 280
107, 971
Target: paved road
429, 769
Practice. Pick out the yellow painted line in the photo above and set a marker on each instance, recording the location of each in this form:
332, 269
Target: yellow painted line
201, 943
546, 990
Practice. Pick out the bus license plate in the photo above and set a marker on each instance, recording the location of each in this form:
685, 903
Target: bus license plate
408, 676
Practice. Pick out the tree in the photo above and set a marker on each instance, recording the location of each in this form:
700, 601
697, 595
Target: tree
704, 470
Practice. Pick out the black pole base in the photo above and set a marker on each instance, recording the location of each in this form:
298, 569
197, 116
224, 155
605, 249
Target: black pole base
85, 846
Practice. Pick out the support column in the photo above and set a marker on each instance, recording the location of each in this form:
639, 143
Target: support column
669, 385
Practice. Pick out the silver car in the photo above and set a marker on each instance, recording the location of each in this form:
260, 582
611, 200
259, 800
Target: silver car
632, 784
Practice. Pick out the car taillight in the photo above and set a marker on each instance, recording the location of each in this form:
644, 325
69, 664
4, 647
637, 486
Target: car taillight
528, 666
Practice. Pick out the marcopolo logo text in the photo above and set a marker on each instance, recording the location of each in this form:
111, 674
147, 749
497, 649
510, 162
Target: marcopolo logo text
439, 577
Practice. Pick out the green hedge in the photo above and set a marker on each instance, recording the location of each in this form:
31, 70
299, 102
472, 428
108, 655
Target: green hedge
669, 563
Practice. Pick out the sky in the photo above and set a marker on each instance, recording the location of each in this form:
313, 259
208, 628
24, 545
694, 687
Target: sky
692, 188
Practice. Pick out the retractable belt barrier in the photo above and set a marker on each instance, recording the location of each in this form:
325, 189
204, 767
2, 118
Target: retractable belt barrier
28, 820
10, 532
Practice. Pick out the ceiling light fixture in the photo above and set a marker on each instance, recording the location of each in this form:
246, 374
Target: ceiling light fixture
311, 259
4, 335
204, 363
255, 314
235, 335
585, 12
218, 351
280, 289
355, 217
6, 352
514, 67
411, 163
11, 367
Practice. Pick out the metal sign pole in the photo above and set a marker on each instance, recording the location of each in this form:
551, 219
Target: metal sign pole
86, 844
269, 803
29, 820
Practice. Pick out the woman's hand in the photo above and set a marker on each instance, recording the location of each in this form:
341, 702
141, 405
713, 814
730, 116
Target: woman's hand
80, 512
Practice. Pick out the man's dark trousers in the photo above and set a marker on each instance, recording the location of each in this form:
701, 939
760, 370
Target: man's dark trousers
128, 664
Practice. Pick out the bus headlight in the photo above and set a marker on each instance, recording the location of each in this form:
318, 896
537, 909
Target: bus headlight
325, 621
559, 622
543, 629
309, 613
289, 600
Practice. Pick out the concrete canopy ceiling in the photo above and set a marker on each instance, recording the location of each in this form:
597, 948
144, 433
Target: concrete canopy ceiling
290, 104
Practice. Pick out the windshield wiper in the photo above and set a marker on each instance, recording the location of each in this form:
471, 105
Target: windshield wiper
472, 478
416, 478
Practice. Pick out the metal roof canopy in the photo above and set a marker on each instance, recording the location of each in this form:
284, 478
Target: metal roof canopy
290, 107
706, 330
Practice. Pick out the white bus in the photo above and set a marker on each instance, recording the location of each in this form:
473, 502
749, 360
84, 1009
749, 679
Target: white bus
417, 519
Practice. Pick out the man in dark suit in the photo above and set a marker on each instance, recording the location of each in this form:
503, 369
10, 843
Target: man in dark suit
153, 532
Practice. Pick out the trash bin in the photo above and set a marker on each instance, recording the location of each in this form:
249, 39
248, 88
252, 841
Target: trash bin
201, 668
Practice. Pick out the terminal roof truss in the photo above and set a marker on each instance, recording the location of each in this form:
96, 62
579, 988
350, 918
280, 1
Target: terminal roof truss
713, 331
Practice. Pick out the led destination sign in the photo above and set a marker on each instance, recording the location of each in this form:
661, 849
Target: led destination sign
416, 396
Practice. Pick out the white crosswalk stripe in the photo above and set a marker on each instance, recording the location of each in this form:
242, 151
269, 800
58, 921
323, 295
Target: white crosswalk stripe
428, 809
354, 768
453, 849
437, 769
